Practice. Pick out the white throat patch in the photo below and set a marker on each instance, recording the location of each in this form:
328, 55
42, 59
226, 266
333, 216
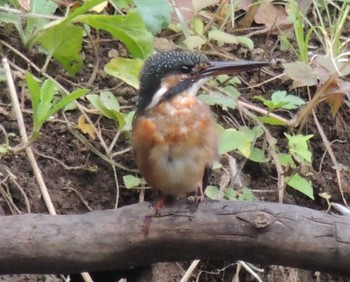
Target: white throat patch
192, 91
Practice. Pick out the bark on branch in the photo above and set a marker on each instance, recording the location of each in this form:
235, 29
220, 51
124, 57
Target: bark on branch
266, 233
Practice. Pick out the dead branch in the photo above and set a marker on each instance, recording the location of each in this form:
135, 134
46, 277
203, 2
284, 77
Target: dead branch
260, 232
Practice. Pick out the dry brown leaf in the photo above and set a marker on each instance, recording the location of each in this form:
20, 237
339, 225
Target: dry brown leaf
301, 74
163, 44
186, 9
335, 94
274, 17
249, 17
25, 4
85, 127
332, 66
335, 101
202, 4
100, 7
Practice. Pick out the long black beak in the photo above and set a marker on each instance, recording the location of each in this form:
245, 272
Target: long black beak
230, 67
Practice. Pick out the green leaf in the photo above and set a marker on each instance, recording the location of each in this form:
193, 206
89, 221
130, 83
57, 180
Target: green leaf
198, 26
286, 101
39, 7
63, 46
66, 100
229, 89
130, 29
109, 101
129, 118
257, 155
94, 99
194, 42
10, 18
47, 92
240, 140
99, 103
230, 194
224, 101
300, 184
122, 4
232, 139
34, 90
212, 192
131, 181
244, 40
298, 145
271, 120
268, 103
252, 133
155, 13
281, 100
88, 5
247, 195
43, 102
125, 69
70, 107
286, 160
222, 37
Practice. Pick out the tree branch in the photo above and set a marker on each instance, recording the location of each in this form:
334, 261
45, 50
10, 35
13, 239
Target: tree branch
265, 233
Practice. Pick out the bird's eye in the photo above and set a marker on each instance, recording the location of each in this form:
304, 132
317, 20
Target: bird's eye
186, 69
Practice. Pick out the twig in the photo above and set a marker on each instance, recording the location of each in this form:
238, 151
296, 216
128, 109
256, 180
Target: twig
97, 58
66, 167
181, 19
116, 186
250, 270
190, 270
85, 203
212, 20
97, 152
13, 180
8, 199
29, 15
331, 154
21, 125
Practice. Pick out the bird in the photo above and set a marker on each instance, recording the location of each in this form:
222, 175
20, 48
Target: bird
174, 137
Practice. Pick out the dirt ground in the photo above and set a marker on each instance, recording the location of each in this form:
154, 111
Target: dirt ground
79, 180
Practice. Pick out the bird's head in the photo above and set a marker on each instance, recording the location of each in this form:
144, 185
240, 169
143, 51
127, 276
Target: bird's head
167, 74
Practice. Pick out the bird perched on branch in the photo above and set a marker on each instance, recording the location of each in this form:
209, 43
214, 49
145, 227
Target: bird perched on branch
174, 137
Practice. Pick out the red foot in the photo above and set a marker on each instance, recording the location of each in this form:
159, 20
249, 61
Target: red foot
159, 204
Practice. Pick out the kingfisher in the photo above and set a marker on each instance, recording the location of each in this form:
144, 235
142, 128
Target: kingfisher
174, 136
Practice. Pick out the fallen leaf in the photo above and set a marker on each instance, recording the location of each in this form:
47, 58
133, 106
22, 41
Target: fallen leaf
25, 4
274, 17
302, 74
186, 9
222, 37
163, 44
331, 66
248, 19
85, 127
335, 94
335, 101
194, 42
202, 4
100, 7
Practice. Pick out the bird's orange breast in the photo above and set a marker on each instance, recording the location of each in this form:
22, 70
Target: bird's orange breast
173, 143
